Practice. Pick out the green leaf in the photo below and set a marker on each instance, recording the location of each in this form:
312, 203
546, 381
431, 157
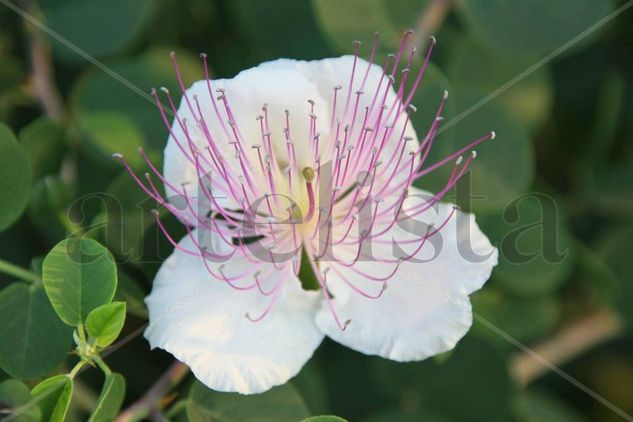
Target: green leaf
34, 340
12, 75
311, 384
50, 196
504, 167
97, 91
528, 101
54, 395
128, 217
536, 249
113, 25
509, 313
279, 404
610, 107
324, 418
346, 21
109, 132
405, 14
615, 248
47, 207
15, 178
438, 387
14, 395
45, 143
609, 193
110, 399
536, 406
105, 323
298, 37
79, 275
595, 278
532, 27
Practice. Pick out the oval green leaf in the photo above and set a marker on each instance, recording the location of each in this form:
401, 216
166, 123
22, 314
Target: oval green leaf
504, 166
529, 100
536, 253
96, 28
610, 193
15, 178
615, 248
105, 322
34, 340
97, 91
532, 27
346, 21
79, 275
540, 405
128, 217
438, 386
54, 395
110, 132
110, 400
509, 313
15, 400
45, 142
47, 207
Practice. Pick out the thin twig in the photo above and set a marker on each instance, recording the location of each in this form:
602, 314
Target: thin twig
429, 21
42, 71
18, 272
149, 403
567, 344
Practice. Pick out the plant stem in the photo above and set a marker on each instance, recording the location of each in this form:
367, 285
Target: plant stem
42, 70
567, 344
150, 401
72, 229
18, 272
105, 368
73, 373
81, 332
430, 20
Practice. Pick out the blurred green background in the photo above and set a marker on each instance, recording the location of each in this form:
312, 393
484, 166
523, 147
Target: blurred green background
564, 130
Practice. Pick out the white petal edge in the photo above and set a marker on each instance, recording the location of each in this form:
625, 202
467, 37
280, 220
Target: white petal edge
425, 309
281, 87
202, 323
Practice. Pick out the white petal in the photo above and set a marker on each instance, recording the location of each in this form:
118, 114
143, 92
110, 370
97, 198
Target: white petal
281, 87
202, 322
425, 309
329, 73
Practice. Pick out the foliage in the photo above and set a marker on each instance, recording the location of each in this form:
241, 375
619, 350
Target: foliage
79, 246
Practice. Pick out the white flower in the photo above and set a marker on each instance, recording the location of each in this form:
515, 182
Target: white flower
314, 158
